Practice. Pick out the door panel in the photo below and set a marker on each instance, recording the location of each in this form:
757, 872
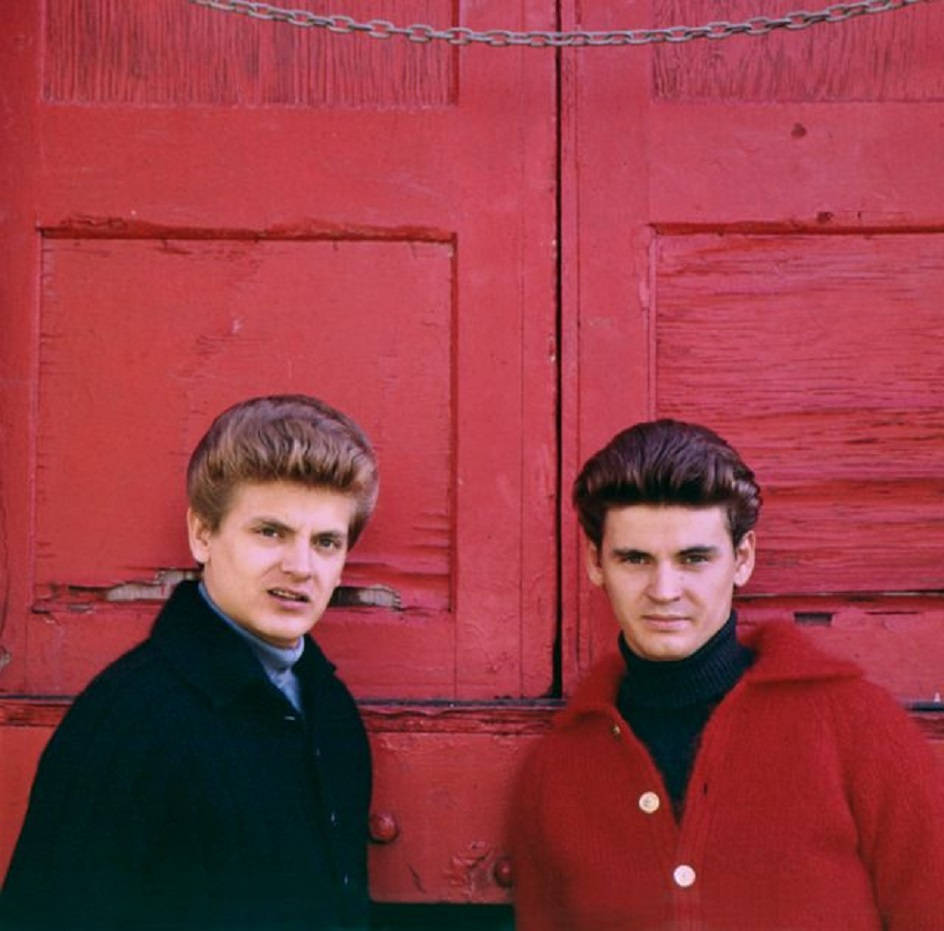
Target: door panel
207, 322
111, 52
286, 210
763, 259
821, 353
202, 207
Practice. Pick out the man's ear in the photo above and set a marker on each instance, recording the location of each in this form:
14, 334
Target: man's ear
594, 569
744, 554
198, 535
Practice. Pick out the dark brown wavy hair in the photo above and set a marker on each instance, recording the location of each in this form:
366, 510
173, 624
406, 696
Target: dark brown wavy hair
666, 462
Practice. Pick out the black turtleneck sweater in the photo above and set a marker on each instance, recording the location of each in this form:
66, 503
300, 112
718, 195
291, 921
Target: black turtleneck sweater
667, 704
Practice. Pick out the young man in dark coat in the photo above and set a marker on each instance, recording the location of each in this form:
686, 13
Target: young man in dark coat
706, 782
217, 777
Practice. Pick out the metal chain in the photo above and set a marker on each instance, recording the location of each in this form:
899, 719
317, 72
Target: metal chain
461, 35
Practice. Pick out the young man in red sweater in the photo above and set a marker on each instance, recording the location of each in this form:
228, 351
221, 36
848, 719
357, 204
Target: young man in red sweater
698, 781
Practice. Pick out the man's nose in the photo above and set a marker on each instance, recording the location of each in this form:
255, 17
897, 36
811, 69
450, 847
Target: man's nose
297, 559
664, 583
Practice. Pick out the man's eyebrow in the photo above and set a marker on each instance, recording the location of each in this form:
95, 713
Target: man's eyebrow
627, 551
270, 521
699, 550
334, 534
278, 524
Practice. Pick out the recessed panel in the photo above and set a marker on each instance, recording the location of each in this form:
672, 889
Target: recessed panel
893, 56
173, 53
143, 342
820, 358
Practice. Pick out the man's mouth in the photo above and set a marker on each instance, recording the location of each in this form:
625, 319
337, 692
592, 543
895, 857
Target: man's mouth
288, 595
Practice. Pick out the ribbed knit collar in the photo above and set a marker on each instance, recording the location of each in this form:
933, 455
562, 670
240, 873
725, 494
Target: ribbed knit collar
707, 675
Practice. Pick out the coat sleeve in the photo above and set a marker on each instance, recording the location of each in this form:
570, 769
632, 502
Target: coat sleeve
80, 861
536, 888
897, 796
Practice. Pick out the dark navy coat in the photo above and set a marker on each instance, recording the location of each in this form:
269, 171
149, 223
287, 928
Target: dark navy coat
183, 791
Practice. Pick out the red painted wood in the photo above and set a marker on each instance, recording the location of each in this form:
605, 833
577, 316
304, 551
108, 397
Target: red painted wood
741, 241
202, 207
109, 52
749, 249
327, 236
830, 346
895, 639
448, 844
278, 315
20, 748
804, 67
441, 776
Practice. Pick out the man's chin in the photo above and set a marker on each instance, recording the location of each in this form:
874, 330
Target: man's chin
665, 647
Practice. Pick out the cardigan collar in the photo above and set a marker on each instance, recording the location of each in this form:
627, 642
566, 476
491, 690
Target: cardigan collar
212, 657
781, 654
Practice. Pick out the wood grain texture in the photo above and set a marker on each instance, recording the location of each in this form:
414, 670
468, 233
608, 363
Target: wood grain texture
143, 341
895, 640
171, 53
820, 359
170, 162
480, 174
442, 773
893, 56
130, 379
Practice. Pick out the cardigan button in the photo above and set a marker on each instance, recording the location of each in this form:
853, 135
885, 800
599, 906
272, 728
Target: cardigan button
683, 875
649, 802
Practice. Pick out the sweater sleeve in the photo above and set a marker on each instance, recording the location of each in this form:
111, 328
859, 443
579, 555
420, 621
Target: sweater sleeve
896, 787
536, 889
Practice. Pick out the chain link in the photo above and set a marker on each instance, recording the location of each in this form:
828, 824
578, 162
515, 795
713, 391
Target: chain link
461, 35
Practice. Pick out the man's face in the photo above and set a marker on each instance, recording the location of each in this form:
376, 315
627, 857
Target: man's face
669, 572
276, 557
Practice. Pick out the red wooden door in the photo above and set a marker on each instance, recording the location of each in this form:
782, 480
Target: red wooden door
201, 207
754, 243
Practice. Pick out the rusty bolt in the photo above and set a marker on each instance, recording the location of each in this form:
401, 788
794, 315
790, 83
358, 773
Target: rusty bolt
383, 827
503, 873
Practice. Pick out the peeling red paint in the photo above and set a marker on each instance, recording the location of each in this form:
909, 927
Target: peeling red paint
92, 227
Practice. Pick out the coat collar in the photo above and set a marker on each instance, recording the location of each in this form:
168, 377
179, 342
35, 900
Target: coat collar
782, 654
214, 659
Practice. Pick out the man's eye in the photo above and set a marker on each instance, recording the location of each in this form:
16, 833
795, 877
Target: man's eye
692, 559
328, 543
634, 559
271, 532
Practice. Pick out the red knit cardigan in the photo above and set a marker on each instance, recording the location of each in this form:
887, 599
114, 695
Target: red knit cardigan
814, 804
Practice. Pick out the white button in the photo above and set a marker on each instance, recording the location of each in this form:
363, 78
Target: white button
683, 875
649, 802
